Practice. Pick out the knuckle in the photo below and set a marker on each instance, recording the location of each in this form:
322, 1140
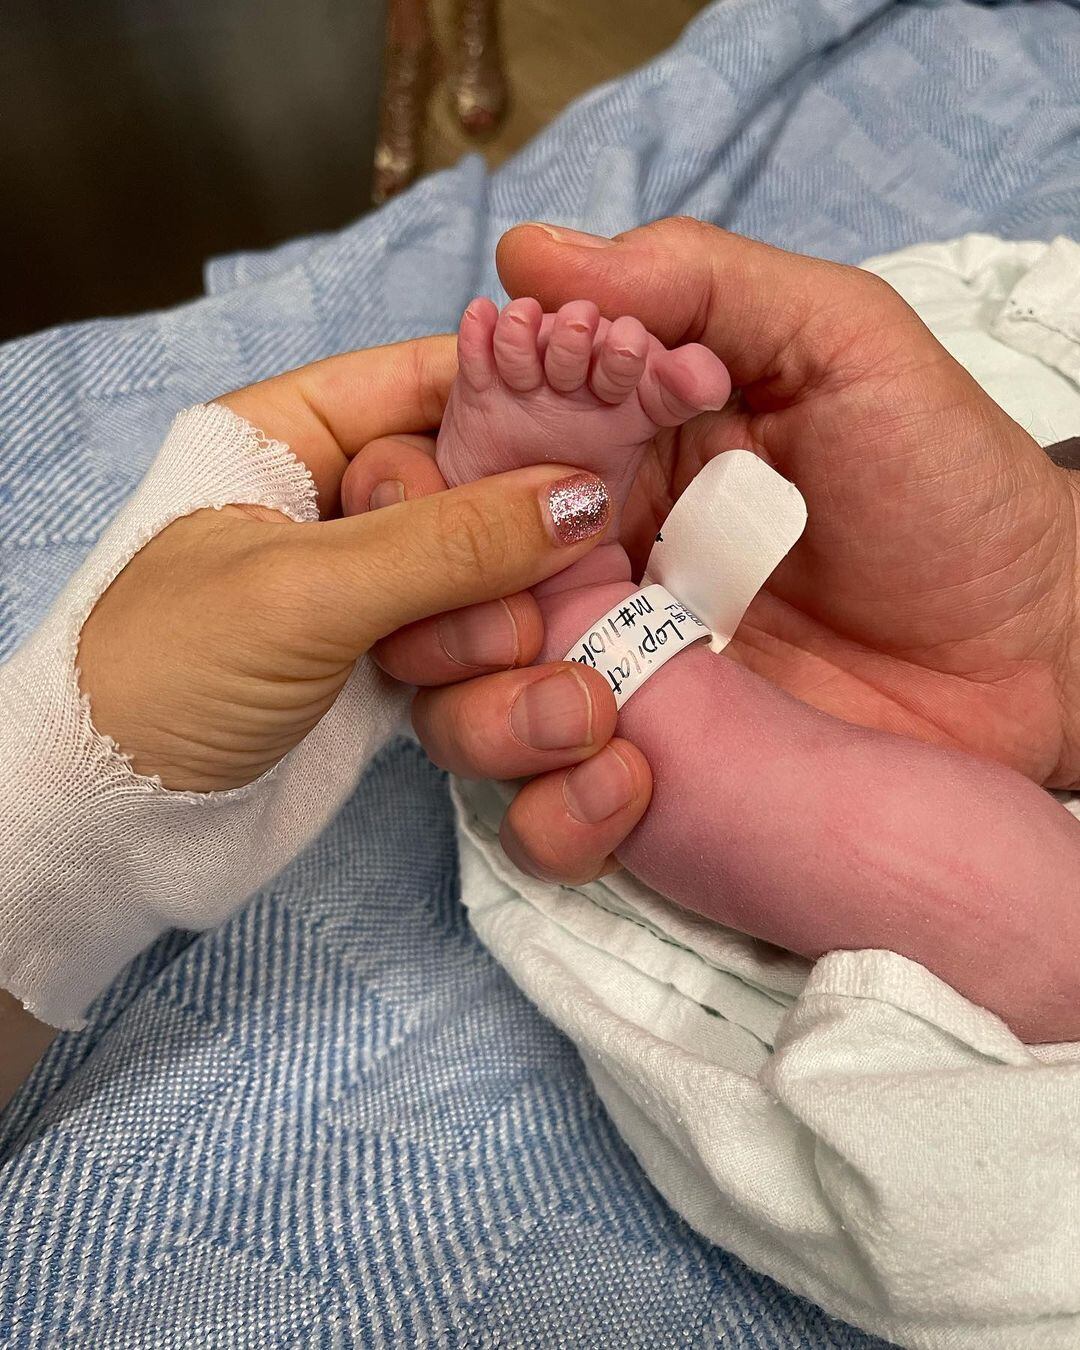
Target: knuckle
475, 753
430, 725
447, 727
423, 368
472, 543
536, 825
873, 288
686, 228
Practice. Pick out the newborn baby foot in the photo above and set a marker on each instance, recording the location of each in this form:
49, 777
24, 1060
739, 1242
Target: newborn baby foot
569, 388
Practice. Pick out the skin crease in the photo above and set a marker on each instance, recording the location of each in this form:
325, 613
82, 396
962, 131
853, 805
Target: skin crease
992, 848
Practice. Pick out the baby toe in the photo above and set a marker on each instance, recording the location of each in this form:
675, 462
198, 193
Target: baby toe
569, 347
684, 382
620, 361
517, 355
476, 358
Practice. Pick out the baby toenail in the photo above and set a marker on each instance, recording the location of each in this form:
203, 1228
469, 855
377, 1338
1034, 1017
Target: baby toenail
578, 327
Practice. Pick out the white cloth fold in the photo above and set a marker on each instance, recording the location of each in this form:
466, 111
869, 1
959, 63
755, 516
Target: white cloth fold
1042, 313
855, 1128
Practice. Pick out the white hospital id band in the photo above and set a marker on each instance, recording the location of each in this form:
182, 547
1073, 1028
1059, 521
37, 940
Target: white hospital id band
720, 543
637, 637
724, 537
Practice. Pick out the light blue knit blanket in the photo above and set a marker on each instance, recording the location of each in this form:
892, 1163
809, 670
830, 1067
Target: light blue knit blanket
334, 1121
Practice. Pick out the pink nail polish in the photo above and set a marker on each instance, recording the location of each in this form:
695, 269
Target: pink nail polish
577, 507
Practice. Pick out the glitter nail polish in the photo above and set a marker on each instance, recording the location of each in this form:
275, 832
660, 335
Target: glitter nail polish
578, 507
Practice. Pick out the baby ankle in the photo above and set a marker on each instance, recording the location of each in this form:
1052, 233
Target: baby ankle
602, 567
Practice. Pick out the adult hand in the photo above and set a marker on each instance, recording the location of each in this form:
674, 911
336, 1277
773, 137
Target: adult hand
229, 634
935, 589
513, 723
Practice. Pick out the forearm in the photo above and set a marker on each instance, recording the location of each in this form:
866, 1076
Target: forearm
98, 859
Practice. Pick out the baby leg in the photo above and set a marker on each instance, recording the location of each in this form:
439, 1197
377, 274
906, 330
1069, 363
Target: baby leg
816, 835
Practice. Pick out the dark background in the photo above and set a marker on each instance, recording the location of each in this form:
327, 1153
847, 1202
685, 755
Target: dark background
139, 137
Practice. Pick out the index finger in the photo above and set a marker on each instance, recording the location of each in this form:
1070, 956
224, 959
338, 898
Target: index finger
328, 411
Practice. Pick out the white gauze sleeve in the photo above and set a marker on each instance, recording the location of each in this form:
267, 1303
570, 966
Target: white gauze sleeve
96, 860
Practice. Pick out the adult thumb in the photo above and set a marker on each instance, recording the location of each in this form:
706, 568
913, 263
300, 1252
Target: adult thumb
369, 575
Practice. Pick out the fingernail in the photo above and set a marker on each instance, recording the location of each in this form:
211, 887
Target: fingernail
563, 235
553, 714
598, 788
386, 494
577, 507
484, 635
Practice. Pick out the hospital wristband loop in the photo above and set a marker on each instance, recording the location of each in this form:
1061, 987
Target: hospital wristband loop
633, 640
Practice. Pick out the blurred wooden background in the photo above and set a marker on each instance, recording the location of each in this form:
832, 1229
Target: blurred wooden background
553, 51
